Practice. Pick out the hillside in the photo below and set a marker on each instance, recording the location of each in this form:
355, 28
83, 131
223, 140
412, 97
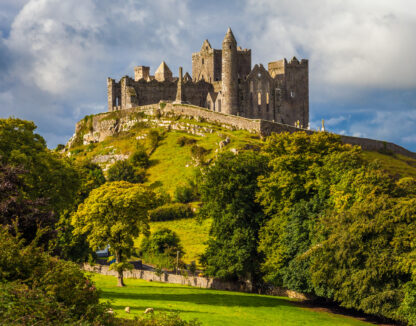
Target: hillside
108, 137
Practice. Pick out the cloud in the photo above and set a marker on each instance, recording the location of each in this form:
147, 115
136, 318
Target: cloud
55, 55
349, 43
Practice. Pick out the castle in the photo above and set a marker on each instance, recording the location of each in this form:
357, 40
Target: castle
223, 81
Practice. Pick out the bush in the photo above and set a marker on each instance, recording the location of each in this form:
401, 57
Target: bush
171, 212
153, 138
36, 288
185, 193
182, 141
161, 248
140, 159
125, 171
161, 319
198, 153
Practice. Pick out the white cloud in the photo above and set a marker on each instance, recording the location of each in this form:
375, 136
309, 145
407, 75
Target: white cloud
349, 43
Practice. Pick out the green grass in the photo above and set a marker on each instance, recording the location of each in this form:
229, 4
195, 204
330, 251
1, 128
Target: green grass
395, 164
211, 307
193, 235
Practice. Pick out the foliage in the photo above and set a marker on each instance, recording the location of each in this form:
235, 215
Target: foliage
153, 139
182, 141
126, 171
47, 175
161, 319
140, 159
114, 214
170, 212
185, 193
27, 214
340, 228
228, 191
67, 245
162, 248
38, 289
198, 153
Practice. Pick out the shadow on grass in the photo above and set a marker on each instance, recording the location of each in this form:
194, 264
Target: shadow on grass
203, 299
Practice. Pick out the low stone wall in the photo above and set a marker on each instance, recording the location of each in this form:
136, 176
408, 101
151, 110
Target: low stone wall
201, 282
215, 117
196, 281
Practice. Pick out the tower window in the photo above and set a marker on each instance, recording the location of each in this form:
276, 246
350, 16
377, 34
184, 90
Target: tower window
202, 61
259, 98
292, 94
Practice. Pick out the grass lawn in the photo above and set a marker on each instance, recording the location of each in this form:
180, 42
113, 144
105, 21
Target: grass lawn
211, 307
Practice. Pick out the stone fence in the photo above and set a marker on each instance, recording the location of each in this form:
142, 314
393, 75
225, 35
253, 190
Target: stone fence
196, 281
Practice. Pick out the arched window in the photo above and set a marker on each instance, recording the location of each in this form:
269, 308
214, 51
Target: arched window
259, 99
202, 60
267, 101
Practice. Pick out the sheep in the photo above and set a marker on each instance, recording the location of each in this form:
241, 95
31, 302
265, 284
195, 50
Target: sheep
148, 311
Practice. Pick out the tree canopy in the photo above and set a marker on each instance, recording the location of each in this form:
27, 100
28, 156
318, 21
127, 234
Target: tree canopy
114, 214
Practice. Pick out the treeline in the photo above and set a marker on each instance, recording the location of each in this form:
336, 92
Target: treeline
310, 214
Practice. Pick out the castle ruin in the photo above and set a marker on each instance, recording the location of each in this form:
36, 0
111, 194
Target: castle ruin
223, 81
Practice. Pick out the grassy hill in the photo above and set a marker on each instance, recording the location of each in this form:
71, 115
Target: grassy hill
172, 165
212, 307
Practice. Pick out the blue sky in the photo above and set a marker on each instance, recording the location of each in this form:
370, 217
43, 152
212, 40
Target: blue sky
55, 55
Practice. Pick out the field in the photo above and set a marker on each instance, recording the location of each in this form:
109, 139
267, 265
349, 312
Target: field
212, 307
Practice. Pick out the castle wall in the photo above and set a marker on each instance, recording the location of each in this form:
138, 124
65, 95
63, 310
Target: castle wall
244, 63
196, 93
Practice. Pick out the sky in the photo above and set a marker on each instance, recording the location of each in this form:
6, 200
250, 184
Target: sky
55, 55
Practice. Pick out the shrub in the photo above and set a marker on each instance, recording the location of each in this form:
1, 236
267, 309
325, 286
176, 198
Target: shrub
140, 159
198, 153
182, 141
161, 319
36, 288
153, 138
171, 212
185, 194
162, 248
125, 171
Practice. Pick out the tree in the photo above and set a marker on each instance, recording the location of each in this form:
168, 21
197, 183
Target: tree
162, 246
114, 214
126, 171
47, 175
228, 189
28, 215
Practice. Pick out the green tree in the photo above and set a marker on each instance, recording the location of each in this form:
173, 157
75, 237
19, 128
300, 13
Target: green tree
126, 171
228, 190
140, 159
114, 214
47, 175
162, 246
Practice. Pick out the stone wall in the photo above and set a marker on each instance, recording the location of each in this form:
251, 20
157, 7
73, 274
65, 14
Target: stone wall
196, 281
108, 124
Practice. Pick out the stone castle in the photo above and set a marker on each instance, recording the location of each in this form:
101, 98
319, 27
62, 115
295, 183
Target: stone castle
223, 81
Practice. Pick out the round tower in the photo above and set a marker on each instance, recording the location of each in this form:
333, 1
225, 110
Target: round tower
229, 75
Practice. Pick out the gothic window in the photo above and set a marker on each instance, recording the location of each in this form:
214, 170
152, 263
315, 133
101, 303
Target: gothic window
116, 101
292, 94
267, 101
202, 60
219, 105
251, 100
259, 98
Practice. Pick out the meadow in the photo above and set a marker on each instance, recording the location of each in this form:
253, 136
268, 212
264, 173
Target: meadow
212, 307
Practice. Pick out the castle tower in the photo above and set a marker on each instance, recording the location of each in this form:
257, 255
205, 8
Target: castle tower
229, 78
